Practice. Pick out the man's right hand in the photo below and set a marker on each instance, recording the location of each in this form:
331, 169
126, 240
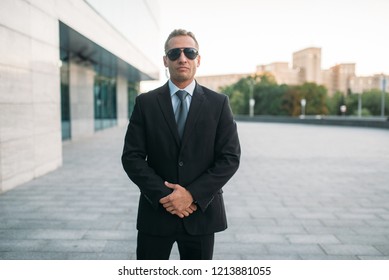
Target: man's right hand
179, 202
185, 213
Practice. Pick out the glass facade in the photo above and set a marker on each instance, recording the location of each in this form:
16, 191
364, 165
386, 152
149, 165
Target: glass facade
89, 85
133, 89
105, 111
65, 98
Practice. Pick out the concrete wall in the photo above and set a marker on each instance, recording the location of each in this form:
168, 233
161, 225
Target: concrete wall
30, 131
81, 81
30, 109
122, 100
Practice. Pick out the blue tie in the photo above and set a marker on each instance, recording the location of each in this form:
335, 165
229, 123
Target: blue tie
181, 112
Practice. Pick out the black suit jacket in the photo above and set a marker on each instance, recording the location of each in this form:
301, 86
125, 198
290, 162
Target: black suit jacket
202, 162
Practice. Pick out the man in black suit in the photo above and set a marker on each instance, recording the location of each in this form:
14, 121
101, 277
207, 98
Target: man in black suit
181, 148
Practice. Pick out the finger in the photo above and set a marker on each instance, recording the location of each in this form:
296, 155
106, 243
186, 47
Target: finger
180, 215
164, 199
166, 205
193, 207
170, 185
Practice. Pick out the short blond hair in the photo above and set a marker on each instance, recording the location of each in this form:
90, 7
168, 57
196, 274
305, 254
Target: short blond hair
180, 32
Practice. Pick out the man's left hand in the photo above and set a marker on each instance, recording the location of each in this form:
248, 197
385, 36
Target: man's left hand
179, 202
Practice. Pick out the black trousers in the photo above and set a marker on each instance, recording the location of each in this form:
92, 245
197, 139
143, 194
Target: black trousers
190, 247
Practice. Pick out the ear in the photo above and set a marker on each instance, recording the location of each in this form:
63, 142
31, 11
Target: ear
198, 60
165, 60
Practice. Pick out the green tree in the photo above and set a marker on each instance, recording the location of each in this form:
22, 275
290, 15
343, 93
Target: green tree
237, 102
291, 100
239, 94
371, 100
334, 103
269, 96
315, 96
351, 102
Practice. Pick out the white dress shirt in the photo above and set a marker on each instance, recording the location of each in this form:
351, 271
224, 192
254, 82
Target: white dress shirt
175, 100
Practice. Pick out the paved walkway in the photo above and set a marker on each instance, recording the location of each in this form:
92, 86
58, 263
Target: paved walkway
302, 192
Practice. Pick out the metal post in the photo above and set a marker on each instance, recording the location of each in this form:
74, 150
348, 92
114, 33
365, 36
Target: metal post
360, 105
383, 96
303, 102
343, 109
252, 100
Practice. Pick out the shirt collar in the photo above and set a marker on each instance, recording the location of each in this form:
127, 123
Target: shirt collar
189, 89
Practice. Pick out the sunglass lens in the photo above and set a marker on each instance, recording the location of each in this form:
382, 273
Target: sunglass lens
173, 54
190, 53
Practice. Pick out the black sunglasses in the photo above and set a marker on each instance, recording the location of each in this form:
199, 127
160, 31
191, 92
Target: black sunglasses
190, 53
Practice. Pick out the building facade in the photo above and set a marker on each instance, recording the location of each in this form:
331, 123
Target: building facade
377, 82
308, 64
341, 75
215, 82
306, 67
281, 72
66, 72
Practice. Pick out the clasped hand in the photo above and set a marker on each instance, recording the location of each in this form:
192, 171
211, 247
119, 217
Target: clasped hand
179, 202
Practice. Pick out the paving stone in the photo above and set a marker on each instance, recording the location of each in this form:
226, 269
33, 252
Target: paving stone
301, 192
260, 238
384, 249
79, 246
100, 256
281, 229
386, 257
363, 239
329, 230
33, 256
120, 246
313, 239
293, 249
108, 235
365, 250
330, 257
22, 246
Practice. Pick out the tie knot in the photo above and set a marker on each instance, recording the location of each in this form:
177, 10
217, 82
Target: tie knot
181, 94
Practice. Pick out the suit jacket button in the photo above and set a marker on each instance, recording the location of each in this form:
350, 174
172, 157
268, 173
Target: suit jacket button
181, 163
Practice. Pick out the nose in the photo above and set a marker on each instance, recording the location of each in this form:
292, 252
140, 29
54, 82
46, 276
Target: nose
182, 56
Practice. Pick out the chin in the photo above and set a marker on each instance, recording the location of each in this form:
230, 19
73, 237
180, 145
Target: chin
182, 78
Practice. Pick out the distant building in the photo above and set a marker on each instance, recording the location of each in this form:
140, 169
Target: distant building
308, 64
281, 72
361, 84
215, 82
66, 71
306, 67
341, 75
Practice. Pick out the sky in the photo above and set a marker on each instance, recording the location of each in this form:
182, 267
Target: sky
237, 35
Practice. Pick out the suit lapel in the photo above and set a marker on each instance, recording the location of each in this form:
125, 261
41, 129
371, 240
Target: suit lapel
194, 112
165, 102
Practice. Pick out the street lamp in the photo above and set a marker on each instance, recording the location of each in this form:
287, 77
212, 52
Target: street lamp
252, 100
252, 103
303, 102
383, 95
343, 109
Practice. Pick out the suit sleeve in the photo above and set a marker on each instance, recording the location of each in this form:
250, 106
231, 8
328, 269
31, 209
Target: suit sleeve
134, 160
226, 163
